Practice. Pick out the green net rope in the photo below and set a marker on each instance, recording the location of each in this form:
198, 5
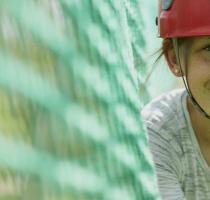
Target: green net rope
70, 126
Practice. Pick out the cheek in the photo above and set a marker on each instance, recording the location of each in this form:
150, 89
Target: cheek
200, 64
199, 79
199, 72
203, 70
205, 58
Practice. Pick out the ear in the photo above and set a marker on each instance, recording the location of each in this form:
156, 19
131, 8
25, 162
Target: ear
172, 63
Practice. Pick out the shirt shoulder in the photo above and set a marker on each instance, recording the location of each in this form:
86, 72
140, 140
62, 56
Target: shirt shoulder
165, 113
166, 124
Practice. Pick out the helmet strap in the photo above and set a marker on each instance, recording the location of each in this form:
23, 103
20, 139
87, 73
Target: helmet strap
186, 84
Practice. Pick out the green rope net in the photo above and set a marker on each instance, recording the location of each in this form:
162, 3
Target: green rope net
70, 126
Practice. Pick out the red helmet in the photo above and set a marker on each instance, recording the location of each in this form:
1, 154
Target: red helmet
184, 18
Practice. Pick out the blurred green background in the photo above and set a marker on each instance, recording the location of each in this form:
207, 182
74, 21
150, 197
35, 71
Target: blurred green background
72, 85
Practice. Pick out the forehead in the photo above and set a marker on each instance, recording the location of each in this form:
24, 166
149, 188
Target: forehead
193, 43
200, 39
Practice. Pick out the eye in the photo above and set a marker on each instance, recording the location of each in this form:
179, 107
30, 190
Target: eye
207, 48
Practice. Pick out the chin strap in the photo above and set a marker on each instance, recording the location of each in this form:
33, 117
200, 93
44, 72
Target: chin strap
193, 100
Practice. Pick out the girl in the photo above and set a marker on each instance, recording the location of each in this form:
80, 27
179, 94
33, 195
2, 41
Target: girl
178, 122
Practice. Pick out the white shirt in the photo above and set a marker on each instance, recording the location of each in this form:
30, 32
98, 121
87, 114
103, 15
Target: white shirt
182, 171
